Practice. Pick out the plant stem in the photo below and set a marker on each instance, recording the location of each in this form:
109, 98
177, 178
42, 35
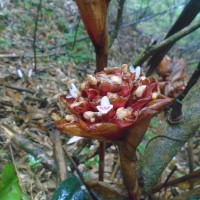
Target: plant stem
128, 167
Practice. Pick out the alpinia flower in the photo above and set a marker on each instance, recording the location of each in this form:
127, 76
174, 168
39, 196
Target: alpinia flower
20, 73
110, 103
105, 106
73, 91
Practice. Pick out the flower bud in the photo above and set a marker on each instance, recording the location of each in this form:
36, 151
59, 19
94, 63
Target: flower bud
116, 79
111, 95
92, 80
140, 90
92, 119
70, 118
124, 68
83, 86
122, 112
142, 78
88, 115
154, 95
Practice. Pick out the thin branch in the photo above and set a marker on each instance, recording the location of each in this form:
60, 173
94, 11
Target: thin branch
118, 21
188, 177
188, 14
35, 34
151, 50
176, 105
76, 31
30, 91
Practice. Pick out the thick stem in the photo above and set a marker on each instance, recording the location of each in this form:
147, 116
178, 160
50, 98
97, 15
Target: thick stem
128, 167
127, 150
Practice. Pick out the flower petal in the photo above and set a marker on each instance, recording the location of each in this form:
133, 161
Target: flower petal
73, 90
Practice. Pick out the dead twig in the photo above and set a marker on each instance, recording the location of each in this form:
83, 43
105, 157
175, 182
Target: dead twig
188, 177
28, 146
58, 153
151, 50
102, 147
35, 34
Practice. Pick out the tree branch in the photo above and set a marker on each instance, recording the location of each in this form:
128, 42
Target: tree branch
186, 17
149, 51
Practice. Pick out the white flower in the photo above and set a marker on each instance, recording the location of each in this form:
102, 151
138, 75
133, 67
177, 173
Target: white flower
30, 73
136, 70
105, 106
74, 139
20, 73
73, 91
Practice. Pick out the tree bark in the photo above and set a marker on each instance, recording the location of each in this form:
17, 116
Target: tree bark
161, 150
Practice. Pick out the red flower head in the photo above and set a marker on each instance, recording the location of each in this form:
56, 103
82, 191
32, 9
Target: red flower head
110, 102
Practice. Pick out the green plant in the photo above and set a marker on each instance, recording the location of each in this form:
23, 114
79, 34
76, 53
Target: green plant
9, 185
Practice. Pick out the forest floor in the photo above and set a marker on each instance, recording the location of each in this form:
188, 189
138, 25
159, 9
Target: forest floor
28, 97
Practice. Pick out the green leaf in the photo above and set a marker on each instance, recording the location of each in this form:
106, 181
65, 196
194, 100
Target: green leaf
71, 189
9, 185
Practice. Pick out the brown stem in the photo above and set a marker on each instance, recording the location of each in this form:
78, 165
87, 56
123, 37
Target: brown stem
191, 160
102, 146
127, 150
128, 167
188, 177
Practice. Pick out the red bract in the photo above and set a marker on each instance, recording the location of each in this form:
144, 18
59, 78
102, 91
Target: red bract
110, 103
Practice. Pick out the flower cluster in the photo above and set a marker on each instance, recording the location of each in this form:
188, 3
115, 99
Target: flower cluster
110, 102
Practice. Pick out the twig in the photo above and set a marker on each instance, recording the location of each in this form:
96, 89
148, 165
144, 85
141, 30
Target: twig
35, 34
58, 153
79, 173
21, 89
169, 176
76, 31
176, 106
151, 50
30, 147
186, 17
190, 159
193, 175
118, 21
92, 153
116, 167
102, 147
